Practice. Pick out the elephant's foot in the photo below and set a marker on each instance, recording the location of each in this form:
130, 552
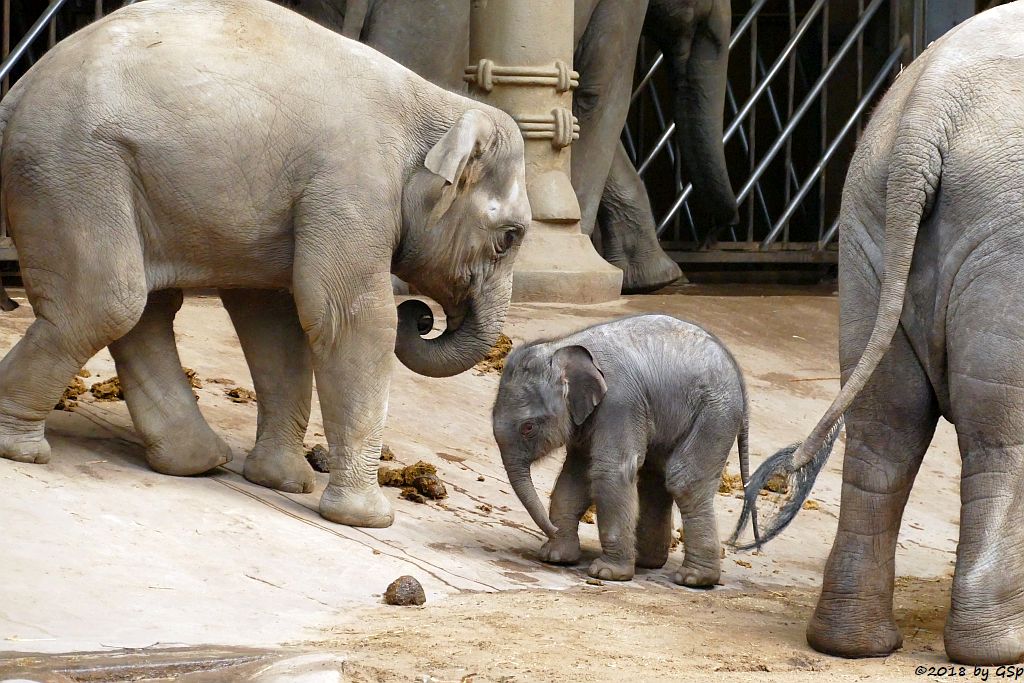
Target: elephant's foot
194, 450
609, 570
561, 551
694, 574
23, 449
363, 507
853, 626
985, 624
279, 469
987, 643
24, 441
641, 274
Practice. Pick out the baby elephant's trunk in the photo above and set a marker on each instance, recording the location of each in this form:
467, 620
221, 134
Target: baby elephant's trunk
522, 484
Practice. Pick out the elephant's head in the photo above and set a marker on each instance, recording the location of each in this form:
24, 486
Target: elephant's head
465, 213
544, 395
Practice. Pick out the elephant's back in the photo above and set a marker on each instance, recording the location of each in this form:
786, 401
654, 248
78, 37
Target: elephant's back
175, 63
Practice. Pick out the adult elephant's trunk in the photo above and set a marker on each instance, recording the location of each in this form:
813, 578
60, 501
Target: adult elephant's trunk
522, 483
470, 333
699, 59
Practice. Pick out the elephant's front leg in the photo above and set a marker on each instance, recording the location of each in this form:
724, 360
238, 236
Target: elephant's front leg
613, 482
351, 331
178, 440
569, 501
278, 356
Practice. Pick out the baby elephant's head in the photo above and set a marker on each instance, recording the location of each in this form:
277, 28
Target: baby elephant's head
544, 394
465, 212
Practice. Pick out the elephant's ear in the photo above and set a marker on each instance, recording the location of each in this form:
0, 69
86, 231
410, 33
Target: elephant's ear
464, 141
582, 381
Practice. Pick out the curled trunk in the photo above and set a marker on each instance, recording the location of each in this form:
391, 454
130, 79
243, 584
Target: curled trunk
465, 342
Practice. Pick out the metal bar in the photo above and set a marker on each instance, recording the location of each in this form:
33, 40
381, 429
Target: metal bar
809, 100
791, 94
776, 67
731, 99
6, 41
752, 119
823, 115
747, 20
660, 116
830, 234
662, 141
643, 81
776, 117
881, 78
29, 37
51, 38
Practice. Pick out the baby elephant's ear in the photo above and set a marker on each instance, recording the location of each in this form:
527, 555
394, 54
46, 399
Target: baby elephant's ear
583, 381
470, 135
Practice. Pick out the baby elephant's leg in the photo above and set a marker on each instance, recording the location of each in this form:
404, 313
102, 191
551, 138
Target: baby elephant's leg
613, 484
693, 475
569, 500
654, 524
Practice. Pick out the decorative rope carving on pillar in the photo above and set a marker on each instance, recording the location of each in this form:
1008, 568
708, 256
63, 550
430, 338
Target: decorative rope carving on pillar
560, 126
485, 75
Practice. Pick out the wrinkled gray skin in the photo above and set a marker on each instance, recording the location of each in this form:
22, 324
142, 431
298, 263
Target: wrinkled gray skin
235, 144
647, 408
432, 38
932, 238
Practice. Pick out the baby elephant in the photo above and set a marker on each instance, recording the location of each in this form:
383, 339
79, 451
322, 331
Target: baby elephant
648, 408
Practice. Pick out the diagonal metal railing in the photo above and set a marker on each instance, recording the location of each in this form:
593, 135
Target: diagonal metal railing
787, 203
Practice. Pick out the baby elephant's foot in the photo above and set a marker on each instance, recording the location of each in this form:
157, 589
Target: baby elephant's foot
561, 551
279, 469
696, 576
21, 448
192, 451
608, 570
364, 507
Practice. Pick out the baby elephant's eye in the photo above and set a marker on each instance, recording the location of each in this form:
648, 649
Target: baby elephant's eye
527, 429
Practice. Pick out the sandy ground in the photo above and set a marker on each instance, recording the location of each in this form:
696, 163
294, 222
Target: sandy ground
100, 553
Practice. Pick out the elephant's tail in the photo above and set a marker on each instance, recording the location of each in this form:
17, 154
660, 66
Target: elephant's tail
743, 446
914, 170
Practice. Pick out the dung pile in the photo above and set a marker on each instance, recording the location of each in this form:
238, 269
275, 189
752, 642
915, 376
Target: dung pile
69, 399
240, 395
418, 482
405, 591
318, 458
193, 379
494, 361
107, 390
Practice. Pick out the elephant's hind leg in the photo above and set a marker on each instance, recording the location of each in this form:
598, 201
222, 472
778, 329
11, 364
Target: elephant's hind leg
279, 359
693, 475
178, 440
888, 429
985, 625
82, 267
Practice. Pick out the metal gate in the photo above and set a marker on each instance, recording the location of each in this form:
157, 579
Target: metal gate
803, 76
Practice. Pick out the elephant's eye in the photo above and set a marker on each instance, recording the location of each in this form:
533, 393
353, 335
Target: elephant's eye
527, 429
507, 240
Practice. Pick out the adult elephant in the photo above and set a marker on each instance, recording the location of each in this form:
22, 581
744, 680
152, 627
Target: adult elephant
932, 238
432, 37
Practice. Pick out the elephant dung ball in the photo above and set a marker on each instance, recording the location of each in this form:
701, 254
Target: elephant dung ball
318, 458
68, 399
386, 453
405, 591
108, 390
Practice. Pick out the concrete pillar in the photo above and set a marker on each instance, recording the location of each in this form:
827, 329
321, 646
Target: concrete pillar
520, 55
